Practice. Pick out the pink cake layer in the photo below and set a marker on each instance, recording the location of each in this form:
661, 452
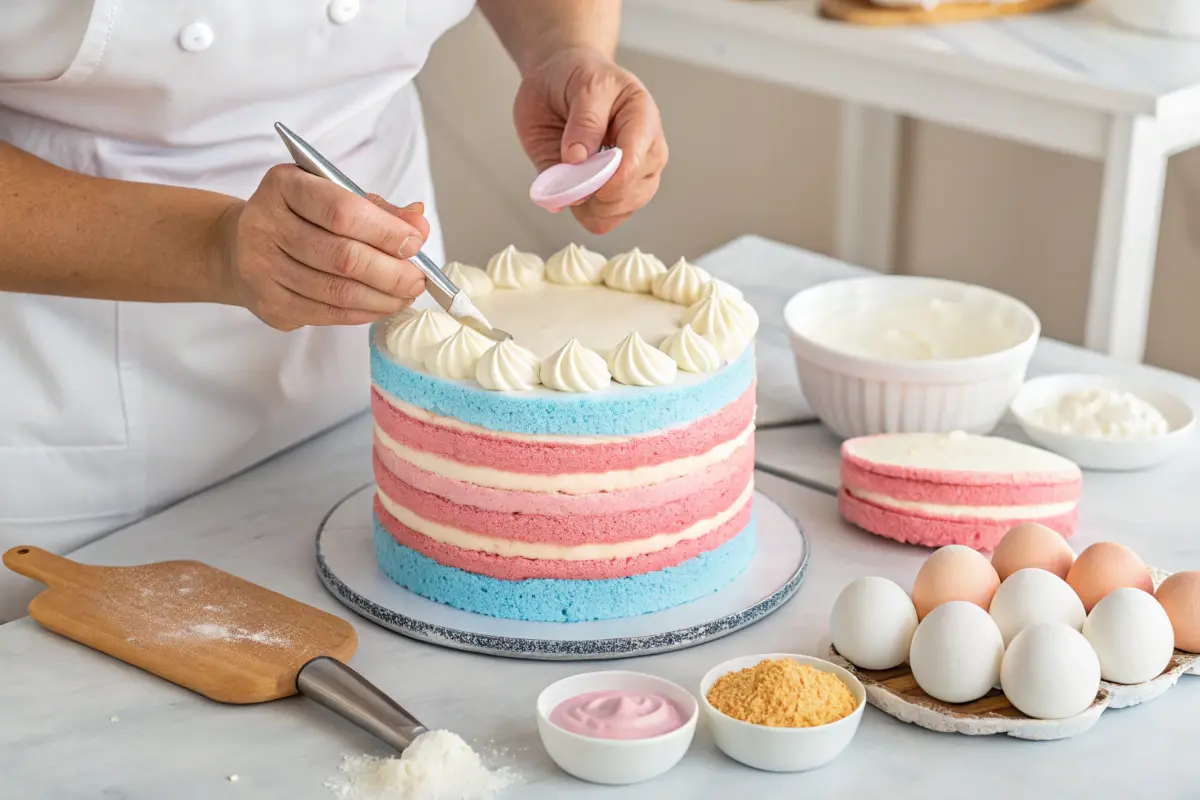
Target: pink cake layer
531, 456
955, 477
981, 534
506, 501
958, 494
609, 526
519, 568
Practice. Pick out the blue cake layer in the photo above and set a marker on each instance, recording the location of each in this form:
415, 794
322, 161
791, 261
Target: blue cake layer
554, 600
621, 411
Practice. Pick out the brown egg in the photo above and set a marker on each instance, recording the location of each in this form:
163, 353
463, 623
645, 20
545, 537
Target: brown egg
1106, 566
1180, 596
1031, 544
954, 572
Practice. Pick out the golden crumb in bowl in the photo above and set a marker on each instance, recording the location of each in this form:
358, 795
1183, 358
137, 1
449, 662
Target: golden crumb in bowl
782, 693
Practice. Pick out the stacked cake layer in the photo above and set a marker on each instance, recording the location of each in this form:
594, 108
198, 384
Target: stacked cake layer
939, 489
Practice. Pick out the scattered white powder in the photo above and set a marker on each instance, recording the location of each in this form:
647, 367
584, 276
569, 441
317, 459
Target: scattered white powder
439, 765
114, 718
232, 778
207, 630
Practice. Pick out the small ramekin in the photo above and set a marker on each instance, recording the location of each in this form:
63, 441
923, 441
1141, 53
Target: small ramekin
782, 749
859, 396
615, 761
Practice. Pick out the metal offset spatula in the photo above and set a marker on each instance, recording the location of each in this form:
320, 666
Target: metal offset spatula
448, 296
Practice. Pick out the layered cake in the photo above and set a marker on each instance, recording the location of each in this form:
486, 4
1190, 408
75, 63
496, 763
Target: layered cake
598, 465
937, 489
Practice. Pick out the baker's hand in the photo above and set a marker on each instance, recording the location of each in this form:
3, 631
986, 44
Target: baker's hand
304, 251
578, 100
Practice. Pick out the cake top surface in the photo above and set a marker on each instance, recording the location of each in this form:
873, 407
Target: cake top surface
956, 454
580, 323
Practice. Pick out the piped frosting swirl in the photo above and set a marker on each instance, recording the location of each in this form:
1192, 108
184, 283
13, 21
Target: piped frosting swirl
684, 283
691, 351
457, 357
512, 269
632, 272
472, 280
575, 265
724, 320
412, 336
635, 363
574, 368
508, 367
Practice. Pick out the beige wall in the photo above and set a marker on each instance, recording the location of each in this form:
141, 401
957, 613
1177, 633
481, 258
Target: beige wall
975, 208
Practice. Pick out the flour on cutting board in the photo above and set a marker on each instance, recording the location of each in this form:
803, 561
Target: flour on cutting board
438, 765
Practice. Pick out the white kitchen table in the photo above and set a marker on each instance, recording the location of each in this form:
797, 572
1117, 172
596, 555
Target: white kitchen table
77, 724
1070, 81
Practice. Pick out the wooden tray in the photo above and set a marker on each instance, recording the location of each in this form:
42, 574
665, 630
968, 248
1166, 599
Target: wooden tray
864, 12
895, 692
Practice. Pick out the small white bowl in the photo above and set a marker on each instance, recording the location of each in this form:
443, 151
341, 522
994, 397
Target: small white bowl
782, 749
1104, 454
615, 761
1163, 17
856, 395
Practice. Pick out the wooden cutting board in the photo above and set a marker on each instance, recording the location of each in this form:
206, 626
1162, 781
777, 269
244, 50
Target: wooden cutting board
206, 630
864, 12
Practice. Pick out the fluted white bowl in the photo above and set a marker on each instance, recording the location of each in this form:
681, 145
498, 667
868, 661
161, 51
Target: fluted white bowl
855, 395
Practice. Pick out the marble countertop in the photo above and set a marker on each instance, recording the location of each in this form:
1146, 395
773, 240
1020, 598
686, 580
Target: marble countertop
78, 724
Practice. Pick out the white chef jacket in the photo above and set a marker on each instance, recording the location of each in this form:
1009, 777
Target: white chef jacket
110, 410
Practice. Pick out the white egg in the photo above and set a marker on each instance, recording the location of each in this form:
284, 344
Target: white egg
872, 623
1132, 635
1050, 671
1034, 595
956, 652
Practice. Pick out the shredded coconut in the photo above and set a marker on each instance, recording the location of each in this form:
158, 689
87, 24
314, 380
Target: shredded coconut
439, 765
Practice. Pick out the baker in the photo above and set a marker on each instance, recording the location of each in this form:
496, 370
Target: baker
175, 304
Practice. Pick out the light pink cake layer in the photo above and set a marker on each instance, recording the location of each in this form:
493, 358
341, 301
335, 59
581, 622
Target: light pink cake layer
955, 477
530, 456
516, 569
1012, 493
980, 534
517, 502
607, 526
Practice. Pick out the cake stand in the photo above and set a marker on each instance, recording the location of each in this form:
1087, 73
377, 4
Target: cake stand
346, 565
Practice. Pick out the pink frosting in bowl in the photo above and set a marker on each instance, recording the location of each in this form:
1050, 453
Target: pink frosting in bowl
618, 714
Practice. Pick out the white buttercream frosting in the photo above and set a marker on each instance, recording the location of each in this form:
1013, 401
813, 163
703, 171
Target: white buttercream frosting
472, 280
512, 269
457, 357
508, 367
724, 320
727, 288
575, 265
574, 368
635, 363
633, 271
684, 283
691, 351
411, 336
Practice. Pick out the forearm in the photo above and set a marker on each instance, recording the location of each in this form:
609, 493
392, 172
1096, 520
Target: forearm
531, 30
78, 236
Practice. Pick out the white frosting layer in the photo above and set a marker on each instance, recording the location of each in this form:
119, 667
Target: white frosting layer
456, 358
959, 452
471, 280
960, 512
727, 322
512, 269
412, 335
566, 483
633, 271
691, 351
513, 548
575, 266
508, 367
574, 368
684, 283
635, 363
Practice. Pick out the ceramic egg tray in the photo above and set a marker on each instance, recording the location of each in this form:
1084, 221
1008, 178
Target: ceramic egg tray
864, 12
895, 692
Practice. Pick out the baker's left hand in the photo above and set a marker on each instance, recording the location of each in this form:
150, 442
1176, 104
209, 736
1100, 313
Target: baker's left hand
579, 99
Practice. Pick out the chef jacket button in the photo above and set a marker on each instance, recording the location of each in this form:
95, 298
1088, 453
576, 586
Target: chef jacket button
342, 11
196, 37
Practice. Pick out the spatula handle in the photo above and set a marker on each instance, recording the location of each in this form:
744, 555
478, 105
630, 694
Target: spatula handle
348, 694
42, 565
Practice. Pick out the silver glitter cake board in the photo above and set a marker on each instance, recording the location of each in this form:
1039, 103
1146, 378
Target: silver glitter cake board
346, 565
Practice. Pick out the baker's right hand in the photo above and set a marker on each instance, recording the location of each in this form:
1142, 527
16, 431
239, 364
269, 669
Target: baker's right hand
304, 251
